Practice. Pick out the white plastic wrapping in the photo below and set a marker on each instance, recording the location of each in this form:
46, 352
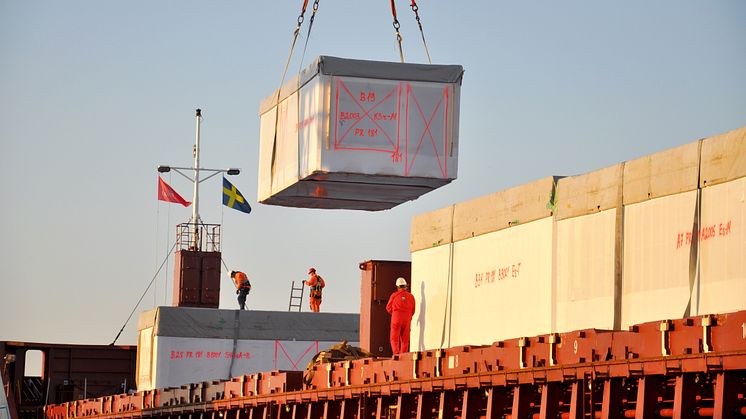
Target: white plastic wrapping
460, 288
430, 286
657, 256
585, 272
490, 271
660, 237
359, 135
182, 345
722, 244
178, 361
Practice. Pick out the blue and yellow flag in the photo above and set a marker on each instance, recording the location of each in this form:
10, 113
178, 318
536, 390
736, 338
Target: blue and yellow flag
232, 198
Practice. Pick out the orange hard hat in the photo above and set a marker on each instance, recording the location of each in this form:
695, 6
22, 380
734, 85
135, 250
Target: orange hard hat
311, 270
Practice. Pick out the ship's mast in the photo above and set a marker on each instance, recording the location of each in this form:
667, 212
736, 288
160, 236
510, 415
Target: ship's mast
197, 257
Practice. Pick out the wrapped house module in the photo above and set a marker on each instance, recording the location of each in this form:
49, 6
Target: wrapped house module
354, 134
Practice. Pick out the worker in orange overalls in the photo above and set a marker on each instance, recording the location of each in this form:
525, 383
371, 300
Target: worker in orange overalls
243, 286
316, 282
401, 307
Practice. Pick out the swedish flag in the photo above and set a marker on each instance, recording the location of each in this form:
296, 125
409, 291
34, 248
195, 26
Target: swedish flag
232, 198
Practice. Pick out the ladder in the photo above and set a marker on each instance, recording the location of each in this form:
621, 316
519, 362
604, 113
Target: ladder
296, 296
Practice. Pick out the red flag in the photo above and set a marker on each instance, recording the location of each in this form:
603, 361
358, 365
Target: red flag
168, 194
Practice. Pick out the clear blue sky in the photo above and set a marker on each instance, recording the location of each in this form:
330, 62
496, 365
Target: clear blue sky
94, 95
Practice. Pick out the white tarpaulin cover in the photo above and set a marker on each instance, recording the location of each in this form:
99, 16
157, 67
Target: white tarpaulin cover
180, 345
461, 287
353, 134
722, 246
657, 258
489, 271
431, 289
584, 262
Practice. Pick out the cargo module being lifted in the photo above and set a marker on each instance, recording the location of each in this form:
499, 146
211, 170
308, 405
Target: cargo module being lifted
354, 134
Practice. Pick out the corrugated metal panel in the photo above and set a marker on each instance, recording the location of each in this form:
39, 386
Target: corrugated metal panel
399, 136
585, 272
432, 229
657, 253
723, 248
197, 279
589, 193
518, 205
723, 158
430, 287
665, 173
502, 279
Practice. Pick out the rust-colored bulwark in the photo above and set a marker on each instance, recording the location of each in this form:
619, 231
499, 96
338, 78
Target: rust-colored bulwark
692, 367
197, 279
378, 279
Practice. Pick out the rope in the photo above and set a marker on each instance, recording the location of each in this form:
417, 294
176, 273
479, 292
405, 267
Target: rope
396, 28
308, 34
415, 9
292, 46
282, 80
143, 295
155, 247
168, 231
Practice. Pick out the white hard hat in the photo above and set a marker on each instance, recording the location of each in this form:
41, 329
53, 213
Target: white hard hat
401, 282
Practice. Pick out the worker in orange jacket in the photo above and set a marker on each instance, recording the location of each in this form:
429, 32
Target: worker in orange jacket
401, 307
316, 283
243, 286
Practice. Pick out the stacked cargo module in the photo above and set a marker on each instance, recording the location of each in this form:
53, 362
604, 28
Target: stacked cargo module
353, 134
598, 250
181, 345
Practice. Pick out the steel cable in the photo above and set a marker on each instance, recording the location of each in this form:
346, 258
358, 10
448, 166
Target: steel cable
143, 294
415, 9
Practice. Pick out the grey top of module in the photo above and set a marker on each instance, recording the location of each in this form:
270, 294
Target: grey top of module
211, 323
335, 66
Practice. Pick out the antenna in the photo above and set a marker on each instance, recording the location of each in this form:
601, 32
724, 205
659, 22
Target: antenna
195, 202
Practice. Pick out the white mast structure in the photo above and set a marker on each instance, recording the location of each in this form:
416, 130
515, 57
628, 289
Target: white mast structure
195, 201
195, 179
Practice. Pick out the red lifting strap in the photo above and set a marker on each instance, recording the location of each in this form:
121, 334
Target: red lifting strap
393, 9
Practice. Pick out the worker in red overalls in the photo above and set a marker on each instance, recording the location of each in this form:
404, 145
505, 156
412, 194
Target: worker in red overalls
401, 307
243, 286
316, 283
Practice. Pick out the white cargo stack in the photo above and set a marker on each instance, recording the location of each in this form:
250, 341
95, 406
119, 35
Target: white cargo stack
722, 237
667, 227
181, 345
660, 200
471, 260
354, 134
586, 249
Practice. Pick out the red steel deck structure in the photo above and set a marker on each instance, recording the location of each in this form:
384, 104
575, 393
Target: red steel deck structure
685, 368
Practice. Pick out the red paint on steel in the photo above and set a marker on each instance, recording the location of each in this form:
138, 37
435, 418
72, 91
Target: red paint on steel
197, 279
597, 374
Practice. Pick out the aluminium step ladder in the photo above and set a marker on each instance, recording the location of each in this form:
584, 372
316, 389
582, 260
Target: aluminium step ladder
296, 293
